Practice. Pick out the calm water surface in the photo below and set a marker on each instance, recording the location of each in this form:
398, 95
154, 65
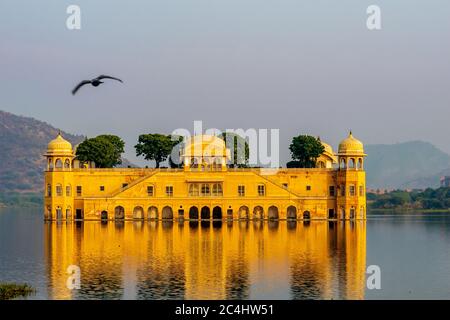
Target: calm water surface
269, 260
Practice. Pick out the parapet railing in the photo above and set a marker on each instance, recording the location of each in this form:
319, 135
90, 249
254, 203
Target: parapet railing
142, 170
149, 170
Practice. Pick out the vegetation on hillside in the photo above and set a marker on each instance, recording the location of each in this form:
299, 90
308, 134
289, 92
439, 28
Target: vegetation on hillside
429, 199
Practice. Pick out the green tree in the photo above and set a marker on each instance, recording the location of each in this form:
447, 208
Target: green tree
105, 151
118, 143
155, 146
305, 150
239, 148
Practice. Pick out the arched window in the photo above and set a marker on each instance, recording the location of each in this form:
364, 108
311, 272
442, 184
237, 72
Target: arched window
258, 212
119, 213
352, 191
68, 190
291, 213
342, 213
68, 213
167, 213
205, 213
306, 215
243, 212
205, 189
49, 190
342, 189
152, 212
321, 164
193, 213
273, 212
59, 215
58, 164
193, 190
351, 163
59, 189
352, 213
217, 213
342, 166
67, 164
138, 213
217, 189
360, 164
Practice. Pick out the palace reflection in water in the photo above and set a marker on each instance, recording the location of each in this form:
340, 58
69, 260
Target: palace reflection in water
208, 260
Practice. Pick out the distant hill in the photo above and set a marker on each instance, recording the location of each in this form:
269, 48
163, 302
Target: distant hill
414, 164
23, 141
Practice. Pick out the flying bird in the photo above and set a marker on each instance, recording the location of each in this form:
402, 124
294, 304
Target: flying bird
94, 82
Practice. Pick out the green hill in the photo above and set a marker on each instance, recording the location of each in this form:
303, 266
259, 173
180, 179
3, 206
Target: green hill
23, 141
414, 164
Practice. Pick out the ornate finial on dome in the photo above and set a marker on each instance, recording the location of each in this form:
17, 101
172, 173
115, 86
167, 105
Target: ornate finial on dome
59, 145
351, 145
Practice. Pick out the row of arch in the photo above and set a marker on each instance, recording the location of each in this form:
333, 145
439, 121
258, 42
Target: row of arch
351, 163
59, 163
205, 213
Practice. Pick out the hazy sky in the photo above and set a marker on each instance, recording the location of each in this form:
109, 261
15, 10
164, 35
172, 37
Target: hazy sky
300, 66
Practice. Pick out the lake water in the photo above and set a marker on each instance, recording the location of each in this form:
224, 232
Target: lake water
238, 260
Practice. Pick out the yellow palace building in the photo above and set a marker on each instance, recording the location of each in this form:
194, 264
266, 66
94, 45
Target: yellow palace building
206, 188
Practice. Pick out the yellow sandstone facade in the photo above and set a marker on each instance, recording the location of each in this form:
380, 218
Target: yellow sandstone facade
206, 188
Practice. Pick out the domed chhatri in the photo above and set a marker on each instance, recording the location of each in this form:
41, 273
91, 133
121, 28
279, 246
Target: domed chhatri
327, 148
204, 145
351, 145
59, 145
327, 158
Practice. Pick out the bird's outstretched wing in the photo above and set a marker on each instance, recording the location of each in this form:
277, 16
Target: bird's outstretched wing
103, 76
82, 83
